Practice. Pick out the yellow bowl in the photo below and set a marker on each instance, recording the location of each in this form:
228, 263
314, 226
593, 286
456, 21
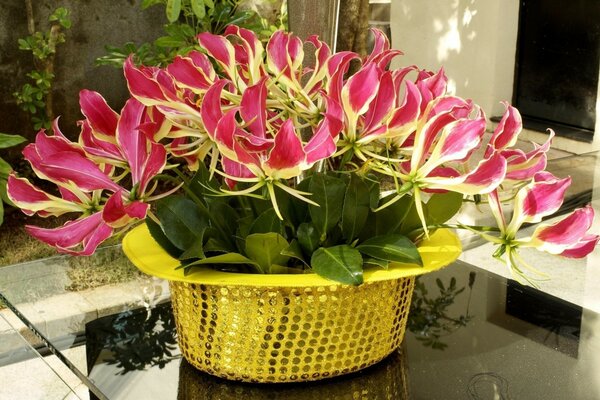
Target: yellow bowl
287, 328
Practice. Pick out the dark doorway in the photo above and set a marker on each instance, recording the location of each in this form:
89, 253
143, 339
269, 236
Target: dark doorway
558, 58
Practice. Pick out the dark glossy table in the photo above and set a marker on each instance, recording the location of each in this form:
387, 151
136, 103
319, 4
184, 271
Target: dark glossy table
472, 335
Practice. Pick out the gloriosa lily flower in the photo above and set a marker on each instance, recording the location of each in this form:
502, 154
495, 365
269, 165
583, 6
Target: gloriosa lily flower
259, 119
541, 198
89, 175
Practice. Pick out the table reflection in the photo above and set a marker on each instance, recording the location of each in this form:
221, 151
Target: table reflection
384, 380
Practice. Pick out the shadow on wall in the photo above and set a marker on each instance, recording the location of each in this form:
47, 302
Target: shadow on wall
474, 40
95, 24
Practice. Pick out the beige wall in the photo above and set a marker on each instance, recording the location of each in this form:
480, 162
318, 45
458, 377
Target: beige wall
475, 41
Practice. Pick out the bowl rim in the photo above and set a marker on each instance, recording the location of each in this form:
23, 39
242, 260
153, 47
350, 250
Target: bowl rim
441, 249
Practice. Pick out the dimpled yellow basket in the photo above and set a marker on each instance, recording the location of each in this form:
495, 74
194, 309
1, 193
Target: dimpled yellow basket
287, 328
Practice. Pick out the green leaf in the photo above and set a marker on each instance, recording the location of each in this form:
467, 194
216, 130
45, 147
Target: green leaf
173, 9
243, 230
388, 220
10, 140
341, 263
224, 218
5, 168
356, 207
412, 220
202, 184
169, 41
182, 221
374, 190
198, 8
294, 251
328, 192
196, 250
266, 248
266, 222
443, 206
4, 194
377, 262
308, 237
159, 236
391, 248
1, 212
227, 258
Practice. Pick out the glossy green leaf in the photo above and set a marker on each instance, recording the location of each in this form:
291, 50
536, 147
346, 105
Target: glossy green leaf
391, 248
443, 206
169, 41
377, 262
198, 8
388, 220
266, 248
159, 236
196, 250
5, 168
412, 220
356, 207
374, 190
4, 194
202, 184
173, 9
224, 218
181, 220
242, 231
308, 237
10, 140
268, 221
341, 263
227, 258
328, 192
294, 250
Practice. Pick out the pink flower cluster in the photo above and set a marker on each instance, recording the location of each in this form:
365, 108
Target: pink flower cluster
258, 116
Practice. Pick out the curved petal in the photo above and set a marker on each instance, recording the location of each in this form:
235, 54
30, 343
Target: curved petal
85, 233
116, 214
100, 116
287, 154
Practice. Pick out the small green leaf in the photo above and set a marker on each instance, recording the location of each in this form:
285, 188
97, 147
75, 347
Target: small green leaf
266, 248
356, 207
4, 194
388, 220
173, 9
342, 263
196, 250
5, 168
374, 190
198, 8
227, 258
377, 262
412, 220
181, 220
169, 41
443, 206
308, 237
224, 218
294, 251
159, 236
202, 184
392, 248
266, 222
328, 192
10, 140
